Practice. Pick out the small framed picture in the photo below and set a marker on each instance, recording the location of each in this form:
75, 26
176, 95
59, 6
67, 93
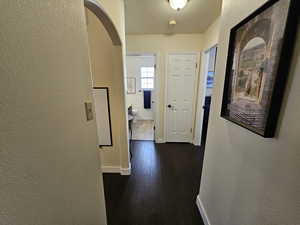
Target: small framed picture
258, 61
131, 85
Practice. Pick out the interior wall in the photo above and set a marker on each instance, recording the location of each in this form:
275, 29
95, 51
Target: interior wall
248, 179
134, 64
107, 71
49, 164
115, 10
211, 35
162, 45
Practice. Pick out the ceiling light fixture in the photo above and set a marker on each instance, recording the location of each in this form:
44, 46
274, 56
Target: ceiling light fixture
178, 4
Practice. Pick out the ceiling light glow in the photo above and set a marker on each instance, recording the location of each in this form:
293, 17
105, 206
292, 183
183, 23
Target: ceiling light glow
178, 4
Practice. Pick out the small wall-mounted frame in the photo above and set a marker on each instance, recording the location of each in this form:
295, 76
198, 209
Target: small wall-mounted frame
103, 118
131, 85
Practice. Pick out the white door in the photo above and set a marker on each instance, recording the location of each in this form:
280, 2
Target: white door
181, 79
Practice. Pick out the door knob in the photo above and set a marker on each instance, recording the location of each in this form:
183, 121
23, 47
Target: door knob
169, 106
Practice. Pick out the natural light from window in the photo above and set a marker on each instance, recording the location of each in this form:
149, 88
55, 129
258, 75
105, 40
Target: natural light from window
147, 78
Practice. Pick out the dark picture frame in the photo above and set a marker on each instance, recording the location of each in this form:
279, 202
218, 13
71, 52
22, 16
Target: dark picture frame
258, 64
109, 116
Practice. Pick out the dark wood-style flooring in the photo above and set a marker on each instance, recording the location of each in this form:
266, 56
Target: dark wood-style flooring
162, 188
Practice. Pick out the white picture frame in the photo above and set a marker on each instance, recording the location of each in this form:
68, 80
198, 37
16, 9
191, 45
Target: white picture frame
131, 85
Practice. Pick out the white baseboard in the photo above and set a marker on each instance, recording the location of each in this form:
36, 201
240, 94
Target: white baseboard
160, 141
126, 171
115, 169
144, 119
196, 143
202, 211
110, 169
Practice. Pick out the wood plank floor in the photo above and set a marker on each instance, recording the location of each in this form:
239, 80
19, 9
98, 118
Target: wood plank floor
162, 188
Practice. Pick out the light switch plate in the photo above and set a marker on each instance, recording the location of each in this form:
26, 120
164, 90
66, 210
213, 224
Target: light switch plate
89, 111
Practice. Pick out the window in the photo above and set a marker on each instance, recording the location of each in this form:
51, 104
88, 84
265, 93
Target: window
147, 77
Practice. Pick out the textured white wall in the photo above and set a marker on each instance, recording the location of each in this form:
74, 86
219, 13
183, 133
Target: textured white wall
247, 179
211, 35
115, 9
49, 166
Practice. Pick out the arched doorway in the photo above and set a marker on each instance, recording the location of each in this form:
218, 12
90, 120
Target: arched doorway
97, 9
106, 59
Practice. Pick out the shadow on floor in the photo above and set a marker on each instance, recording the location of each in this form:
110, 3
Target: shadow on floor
162, 188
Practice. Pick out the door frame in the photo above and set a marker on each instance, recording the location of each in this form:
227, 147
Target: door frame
201, 95
156, 86
198, 62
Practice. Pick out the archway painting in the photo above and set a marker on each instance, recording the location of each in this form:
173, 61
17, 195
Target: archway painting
257, 67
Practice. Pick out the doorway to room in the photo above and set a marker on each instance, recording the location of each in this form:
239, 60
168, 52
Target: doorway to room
209, 71
141, 95
180, 96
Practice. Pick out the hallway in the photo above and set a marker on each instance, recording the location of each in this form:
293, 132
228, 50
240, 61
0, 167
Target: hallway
161, 189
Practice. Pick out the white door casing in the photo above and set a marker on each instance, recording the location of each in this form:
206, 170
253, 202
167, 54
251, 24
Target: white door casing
205, 62
180, 99
201, 98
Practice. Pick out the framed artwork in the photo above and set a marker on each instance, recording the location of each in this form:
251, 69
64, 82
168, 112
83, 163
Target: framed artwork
258, 61
103, 117
131, 85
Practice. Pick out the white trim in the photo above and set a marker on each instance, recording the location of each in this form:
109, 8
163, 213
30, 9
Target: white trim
157, 95
202, 211
213, 46
110, 169
141, 54
194, 110
165, 97
143, 119
160, 141
201, 98
182, 52
126, 171
116, 169
195, 141
196, 88
201, 95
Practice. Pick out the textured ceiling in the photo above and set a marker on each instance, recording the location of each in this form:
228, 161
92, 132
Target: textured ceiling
152, 16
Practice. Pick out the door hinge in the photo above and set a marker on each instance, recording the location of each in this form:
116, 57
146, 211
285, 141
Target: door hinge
196, 65
154, 66
191, 130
